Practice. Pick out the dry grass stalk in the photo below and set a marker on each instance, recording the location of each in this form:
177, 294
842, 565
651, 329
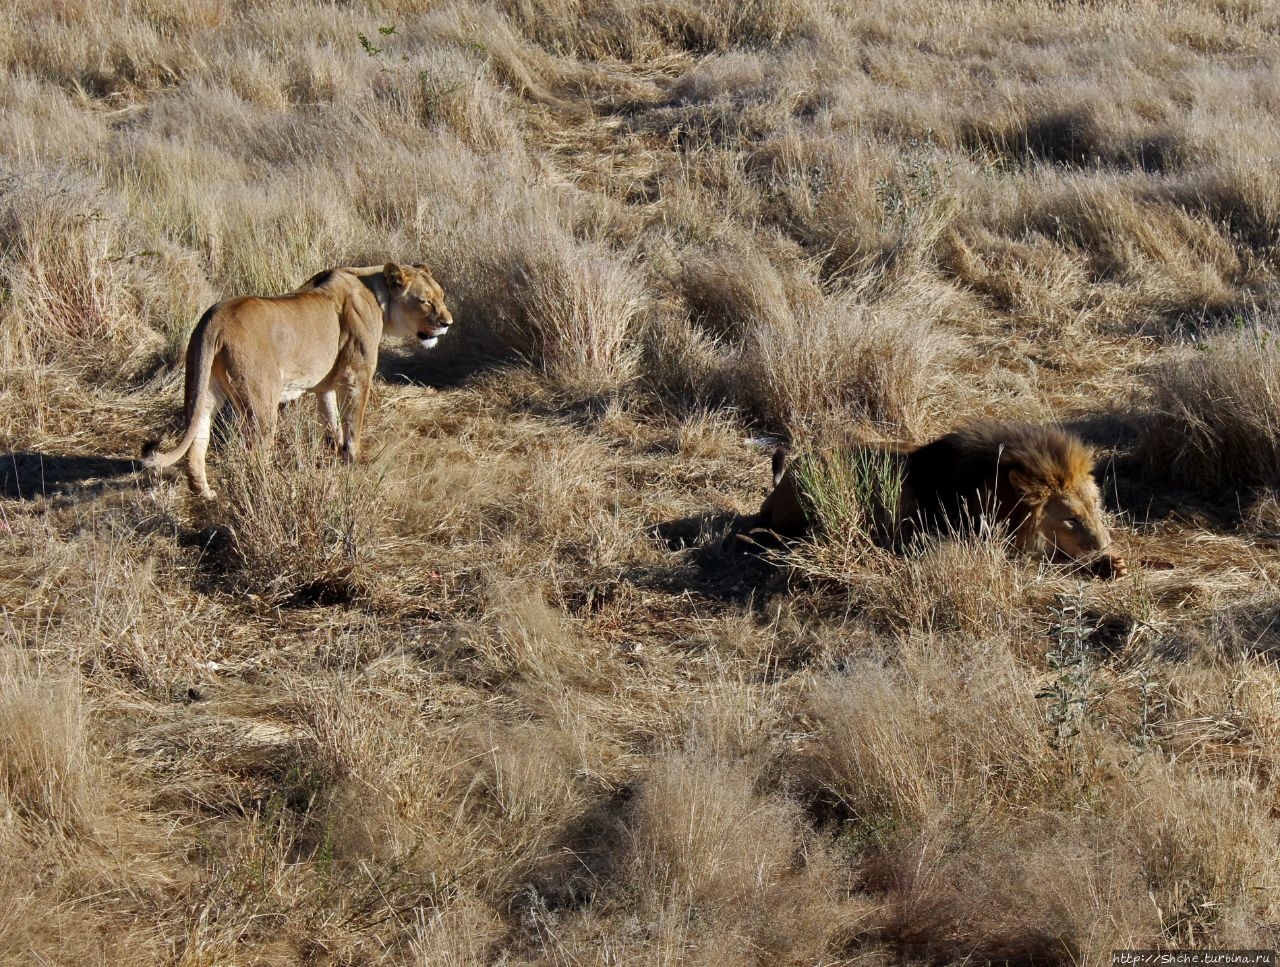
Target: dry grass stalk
301, 524
519, 708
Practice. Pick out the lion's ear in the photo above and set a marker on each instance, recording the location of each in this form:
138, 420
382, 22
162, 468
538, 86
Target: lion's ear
395, 275
1024, 483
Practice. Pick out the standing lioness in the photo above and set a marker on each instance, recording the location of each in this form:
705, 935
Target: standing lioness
258, 352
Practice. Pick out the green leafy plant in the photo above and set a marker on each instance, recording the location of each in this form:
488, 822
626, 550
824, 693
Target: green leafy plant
853, 493
1073, 692
368, 45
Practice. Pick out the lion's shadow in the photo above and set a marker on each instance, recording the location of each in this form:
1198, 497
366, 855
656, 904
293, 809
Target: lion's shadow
707, 560
29, 475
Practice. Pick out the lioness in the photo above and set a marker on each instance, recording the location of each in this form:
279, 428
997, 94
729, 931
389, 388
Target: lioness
1038, 481
258, 352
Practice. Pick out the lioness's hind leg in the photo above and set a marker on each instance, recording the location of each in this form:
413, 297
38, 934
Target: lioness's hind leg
263, 423
203, 416
353, 396
259, 413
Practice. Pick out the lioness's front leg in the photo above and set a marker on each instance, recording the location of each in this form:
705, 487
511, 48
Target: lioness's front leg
327, 401
352, 403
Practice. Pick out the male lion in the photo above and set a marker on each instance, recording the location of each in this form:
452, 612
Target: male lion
258, 352
1037, 481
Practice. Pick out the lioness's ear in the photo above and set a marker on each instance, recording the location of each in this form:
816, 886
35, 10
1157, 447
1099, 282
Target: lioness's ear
395, 275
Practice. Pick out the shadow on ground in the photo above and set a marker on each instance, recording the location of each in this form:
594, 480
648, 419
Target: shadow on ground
708, 560
28, 475
1133, 483
448, 366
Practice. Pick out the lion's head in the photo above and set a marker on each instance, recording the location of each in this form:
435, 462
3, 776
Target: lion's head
415, 307
1041, 482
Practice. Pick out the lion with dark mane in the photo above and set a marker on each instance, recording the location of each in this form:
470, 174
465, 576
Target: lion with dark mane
1036, 481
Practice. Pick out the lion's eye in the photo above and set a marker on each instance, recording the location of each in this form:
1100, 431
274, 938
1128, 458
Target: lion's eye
1072, 522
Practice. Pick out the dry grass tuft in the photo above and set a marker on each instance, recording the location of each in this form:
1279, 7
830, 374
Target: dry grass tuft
969, 586
48, 772
69, 258
63, 815
302, 526
846, 364
1215, 411
1198, 841
721, 869
892, 760
579, 314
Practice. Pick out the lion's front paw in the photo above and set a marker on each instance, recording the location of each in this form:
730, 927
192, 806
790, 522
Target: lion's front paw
1110, 568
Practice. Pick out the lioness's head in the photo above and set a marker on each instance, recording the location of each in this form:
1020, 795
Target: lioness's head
416, 306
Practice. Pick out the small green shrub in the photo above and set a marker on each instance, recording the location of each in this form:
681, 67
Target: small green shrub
853, 494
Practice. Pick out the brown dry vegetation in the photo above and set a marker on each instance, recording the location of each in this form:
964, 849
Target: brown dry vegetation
498, 695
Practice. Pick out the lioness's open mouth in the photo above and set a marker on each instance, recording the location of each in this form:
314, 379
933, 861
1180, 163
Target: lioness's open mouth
429, 339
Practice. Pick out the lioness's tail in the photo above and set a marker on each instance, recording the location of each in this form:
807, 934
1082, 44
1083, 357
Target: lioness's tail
199, 371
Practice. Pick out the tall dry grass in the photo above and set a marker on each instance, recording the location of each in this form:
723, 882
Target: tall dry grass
84, 293
498, 695
1214, 418
298, 525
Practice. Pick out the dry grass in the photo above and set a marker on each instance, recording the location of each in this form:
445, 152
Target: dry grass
847, 363
1216, 411
298, 524
500, 695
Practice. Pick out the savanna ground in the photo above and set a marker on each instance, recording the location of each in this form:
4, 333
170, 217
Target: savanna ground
499, 695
